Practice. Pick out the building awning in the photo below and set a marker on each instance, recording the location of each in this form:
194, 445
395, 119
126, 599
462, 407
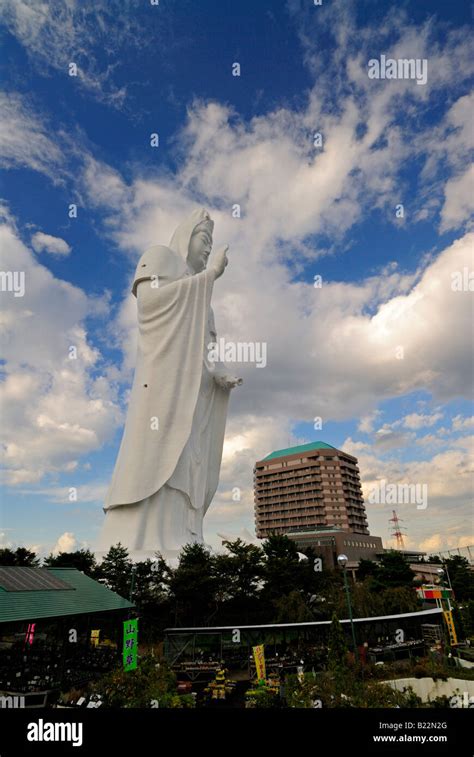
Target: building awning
423, 615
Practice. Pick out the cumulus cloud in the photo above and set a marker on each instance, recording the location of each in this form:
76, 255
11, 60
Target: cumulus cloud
386, 438
366, 423
460, 422
447, 475
56, 402
66, 543
418, 420
46, 243
444, 542
459, 200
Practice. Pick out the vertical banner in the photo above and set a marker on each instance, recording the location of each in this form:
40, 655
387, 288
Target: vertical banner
30, 634
259, 657
448, 616
95, 637
130, 644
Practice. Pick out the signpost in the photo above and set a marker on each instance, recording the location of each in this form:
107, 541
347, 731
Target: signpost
259, 656
130, 644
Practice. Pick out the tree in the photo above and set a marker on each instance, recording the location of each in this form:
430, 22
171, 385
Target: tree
462, 577
82, 559
458, 621
116, 568
292, 608
365, 601
393, 570
468, 615
239, 573
366, 568
283, 571
7, 557
194, 585
399, 599
241, 569
21, 557
151, 582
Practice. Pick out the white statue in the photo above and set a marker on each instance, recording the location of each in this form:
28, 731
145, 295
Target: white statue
167, 470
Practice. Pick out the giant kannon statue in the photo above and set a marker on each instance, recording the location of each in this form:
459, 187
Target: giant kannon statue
167, 469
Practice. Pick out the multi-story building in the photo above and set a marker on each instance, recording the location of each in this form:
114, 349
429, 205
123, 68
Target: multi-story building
312, 493
308, 487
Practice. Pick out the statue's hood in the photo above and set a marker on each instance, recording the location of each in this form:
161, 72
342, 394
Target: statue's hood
180, 239
169, 263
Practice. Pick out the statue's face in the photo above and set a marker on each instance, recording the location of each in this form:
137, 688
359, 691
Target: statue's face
200, 246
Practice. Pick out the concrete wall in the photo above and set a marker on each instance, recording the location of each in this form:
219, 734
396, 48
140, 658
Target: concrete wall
427, 688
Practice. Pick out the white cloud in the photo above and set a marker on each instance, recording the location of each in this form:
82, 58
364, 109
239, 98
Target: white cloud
66, 543
366, 423
386, 438
363, 325
459, 200
431, 441
56, 403
46, 243
25, 140
448, 149
447, 475
460, 423
60, 32
418, 420
443, 542
84, 493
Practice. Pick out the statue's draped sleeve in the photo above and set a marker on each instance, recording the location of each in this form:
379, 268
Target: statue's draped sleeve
172, 319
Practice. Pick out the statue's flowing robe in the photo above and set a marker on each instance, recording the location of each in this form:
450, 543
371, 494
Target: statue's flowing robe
175, 424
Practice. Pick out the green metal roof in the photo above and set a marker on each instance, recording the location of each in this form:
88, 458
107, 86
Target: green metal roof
301, 448
88, 596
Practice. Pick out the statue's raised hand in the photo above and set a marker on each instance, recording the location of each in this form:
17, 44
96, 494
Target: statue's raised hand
220, 261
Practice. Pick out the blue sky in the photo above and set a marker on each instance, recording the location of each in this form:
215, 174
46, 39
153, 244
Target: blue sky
333, 352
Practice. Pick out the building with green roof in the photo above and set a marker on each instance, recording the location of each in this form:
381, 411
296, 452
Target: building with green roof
312, 493
299, 449
28, 594
58, 629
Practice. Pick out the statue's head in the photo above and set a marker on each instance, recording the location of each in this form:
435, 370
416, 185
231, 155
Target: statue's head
193, 240
200, 246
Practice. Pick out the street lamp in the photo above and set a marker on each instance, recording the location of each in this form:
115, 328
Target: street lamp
445, 568
132, 582
441, 572
342, 562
